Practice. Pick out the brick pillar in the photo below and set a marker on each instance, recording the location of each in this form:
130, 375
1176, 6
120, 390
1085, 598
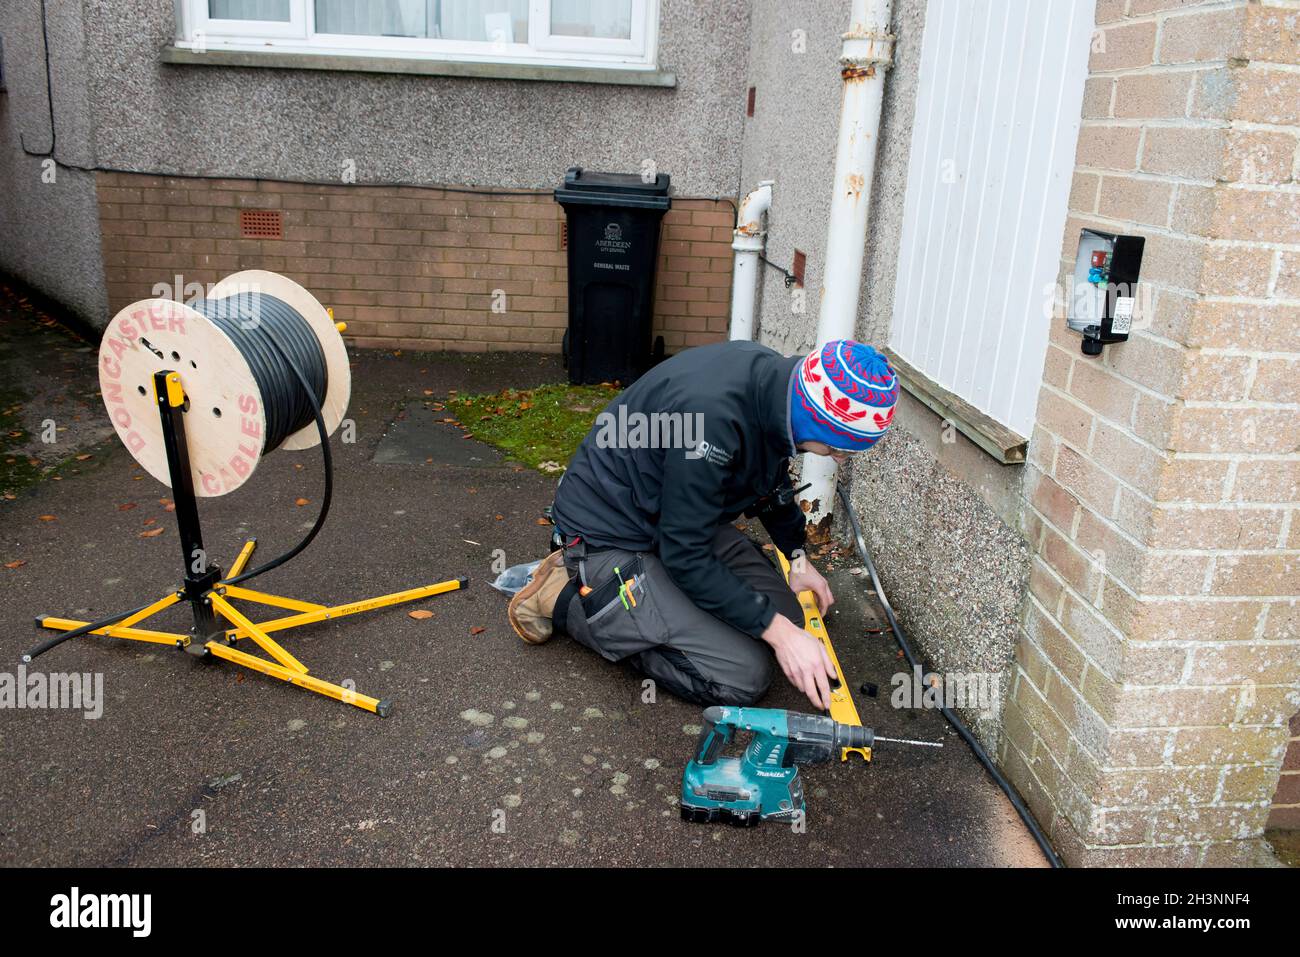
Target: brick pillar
1159, 660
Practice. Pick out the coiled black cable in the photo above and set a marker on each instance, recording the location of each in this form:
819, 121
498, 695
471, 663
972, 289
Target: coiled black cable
288, 364
272, 337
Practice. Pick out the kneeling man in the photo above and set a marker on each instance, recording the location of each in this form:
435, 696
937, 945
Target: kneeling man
653, 572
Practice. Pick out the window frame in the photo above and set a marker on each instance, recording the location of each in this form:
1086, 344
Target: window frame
201, 32
295, 28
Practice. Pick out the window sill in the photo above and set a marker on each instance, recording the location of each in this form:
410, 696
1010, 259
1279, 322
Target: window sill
555, 73
990, 435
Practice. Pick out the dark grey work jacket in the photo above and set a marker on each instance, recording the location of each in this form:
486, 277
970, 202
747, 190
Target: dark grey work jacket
620, 491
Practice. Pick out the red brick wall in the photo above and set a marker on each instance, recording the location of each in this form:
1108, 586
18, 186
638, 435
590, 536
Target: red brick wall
404, 267
1160, 654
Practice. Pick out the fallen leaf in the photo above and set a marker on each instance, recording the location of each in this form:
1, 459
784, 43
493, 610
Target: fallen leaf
298, 466
153, 532
428, 392
151, 521
477, 630
10, 496
543, 521
169, 507
82, 458
419, 614
301, 502
126, 506
164, 502
46, 518
15, 564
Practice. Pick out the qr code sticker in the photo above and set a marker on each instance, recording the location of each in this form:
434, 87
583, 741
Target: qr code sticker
1122, 320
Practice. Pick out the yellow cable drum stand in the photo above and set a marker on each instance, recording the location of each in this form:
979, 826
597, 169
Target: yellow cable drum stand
194, 371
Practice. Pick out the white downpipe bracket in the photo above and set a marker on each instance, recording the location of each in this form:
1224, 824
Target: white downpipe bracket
748, 242
867, 53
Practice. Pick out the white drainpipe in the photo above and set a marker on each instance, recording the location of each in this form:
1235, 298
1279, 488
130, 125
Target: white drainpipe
867, 52
748, 243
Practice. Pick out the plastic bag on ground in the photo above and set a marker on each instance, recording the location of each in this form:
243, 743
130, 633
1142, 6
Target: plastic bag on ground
514, 578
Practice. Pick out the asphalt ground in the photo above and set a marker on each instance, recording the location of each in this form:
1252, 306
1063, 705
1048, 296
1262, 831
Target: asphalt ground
496, 753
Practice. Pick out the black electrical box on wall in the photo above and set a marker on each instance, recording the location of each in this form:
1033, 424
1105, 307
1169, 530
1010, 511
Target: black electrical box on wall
1104, 295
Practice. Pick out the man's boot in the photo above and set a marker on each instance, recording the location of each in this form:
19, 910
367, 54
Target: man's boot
532, 609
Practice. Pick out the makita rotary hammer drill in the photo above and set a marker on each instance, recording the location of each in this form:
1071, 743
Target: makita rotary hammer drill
763, 784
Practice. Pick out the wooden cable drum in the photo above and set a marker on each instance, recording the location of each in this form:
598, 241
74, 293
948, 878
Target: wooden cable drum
236, 352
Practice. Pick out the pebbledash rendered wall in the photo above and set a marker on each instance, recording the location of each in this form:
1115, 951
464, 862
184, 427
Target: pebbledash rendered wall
940, 516
121, 110
406, 266
49, 221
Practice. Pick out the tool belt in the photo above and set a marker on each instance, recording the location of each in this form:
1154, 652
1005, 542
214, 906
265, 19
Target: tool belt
614, 618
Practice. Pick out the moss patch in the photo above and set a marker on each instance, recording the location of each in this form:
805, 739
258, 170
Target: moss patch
17, 469
534, 426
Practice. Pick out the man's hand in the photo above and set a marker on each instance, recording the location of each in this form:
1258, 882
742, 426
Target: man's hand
802, 658
803, 577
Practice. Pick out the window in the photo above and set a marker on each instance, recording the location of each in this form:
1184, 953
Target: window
592, 33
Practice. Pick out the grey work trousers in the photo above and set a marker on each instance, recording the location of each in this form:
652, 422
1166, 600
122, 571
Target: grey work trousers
666, 636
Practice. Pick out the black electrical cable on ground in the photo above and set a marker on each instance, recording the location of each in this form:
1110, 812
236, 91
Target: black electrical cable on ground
947, 712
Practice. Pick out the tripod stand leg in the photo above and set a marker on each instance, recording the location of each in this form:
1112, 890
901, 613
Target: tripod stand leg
263, 598
119, 626
241, 561
114, 631
267, 644
337, 692
352, 608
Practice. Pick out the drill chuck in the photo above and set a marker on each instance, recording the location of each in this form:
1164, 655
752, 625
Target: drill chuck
853, 736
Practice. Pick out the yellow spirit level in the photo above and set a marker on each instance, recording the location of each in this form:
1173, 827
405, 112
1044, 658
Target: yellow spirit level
843, 709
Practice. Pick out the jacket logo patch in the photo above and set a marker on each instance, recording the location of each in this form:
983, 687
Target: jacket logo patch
710, 453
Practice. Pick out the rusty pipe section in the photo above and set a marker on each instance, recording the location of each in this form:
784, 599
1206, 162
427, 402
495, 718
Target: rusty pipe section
866, 54
748, 241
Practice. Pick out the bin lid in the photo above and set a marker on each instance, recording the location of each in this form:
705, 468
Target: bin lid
589, 188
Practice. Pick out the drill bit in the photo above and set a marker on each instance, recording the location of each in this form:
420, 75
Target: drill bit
922, 744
